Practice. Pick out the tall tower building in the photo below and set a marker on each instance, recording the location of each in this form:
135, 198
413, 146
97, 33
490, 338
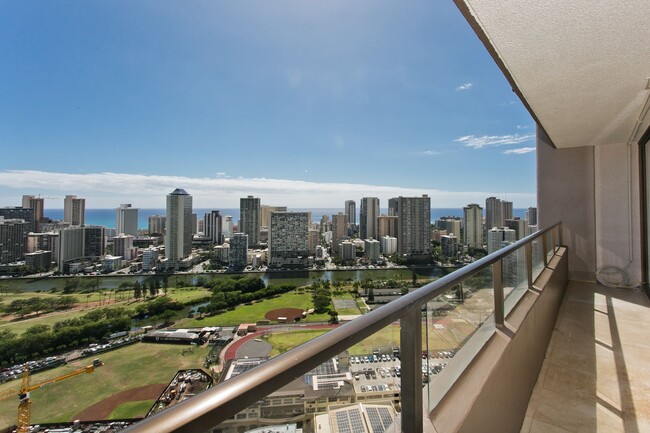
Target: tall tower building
250, 219
532, 216
213, 227
288, 239
493, 216
393, 207
339, 230
38, 204
472, 225
13, 239
23, 213
414, 226
238, 252
351, 211
178, 237
506, 211
387, 226
157, 224
266, 211
74, 210
368, 215
126, 220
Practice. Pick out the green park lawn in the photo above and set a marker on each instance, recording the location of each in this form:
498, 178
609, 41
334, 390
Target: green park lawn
346, 311
132, 409
125, 368
254, 312
183, 295
282, 342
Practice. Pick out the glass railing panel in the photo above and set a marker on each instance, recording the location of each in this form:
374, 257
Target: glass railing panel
515, 278
550, 247
538, 257
368, 372
454, 322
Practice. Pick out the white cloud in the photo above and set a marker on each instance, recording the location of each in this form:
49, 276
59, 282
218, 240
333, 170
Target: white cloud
465, 86
107, 190
519, 151
493, 140
430, 153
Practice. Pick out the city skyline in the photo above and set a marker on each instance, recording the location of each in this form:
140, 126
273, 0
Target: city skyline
225, 100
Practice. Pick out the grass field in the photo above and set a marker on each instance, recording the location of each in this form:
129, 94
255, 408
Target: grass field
126, 368
287, 341
132, 409
186, 294
253, 313
346, 311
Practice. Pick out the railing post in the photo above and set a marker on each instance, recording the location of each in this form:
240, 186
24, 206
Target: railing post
528, 251
553, 241
559, 234
545, 249
411, 380
497, 279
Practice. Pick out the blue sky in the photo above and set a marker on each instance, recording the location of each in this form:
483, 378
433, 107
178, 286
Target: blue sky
301, 103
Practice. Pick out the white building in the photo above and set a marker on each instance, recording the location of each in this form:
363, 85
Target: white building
111, 263
126, 220
74, 210
178, 237
123, 247
388, 245
347, 251
149, 258
371, 249
499, 238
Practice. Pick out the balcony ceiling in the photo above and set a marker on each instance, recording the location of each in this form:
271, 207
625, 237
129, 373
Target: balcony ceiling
581, 67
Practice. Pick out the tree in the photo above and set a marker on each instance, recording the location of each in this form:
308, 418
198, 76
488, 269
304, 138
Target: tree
137, 290
334, 317
167, 317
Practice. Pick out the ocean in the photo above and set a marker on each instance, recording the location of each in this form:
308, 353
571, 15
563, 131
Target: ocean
106, 217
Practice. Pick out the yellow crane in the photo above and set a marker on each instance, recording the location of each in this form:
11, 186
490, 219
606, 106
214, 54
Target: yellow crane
24, 407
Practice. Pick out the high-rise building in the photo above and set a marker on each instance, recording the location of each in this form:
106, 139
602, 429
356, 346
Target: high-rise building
74, 210
518, 225
250, 219
393, 206
473, 225
506, 211
386, 226
23, 213
414, 227
212, 226
13, 239
347, 251
388, 245
265, 212
123, 247
126, 220
339, 230
368, 214
238, 253
449, 224
226, 226
178, 237
149, 258
449, 245
371, 249
288, 239
157, 224
500, 237
79, 243
38, 204
195, 223
493, 216
351, 211
531, 217
313, 240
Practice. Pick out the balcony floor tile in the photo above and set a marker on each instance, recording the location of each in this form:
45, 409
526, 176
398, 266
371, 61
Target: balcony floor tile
596, 375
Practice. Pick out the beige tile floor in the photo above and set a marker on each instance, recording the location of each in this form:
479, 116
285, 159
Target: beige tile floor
596, 375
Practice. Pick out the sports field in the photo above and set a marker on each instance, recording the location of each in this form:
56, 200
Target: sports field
254, 312
129, 368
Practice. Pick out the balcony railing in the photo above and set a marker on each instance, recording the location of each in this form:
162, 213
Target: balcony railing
513, 271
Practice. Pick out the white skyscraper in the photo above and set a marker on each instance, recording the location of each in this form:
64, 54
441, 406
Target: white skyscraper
178, 236
74, 210
126, 220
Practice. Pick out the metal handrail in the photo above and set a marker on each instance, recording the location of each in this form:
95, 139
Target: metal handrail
212, 407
